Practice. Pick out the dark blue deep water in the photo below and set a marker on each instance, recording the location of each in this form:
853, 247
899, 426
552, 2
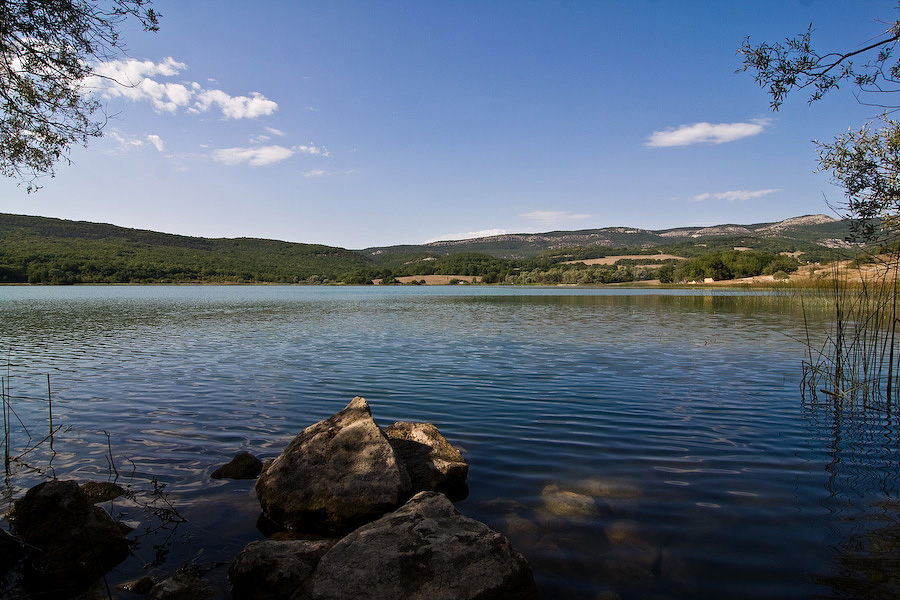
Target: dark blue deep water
631, 443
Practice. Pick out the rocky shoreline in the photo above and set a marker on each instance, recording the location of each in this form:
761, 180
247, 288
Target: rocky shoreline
353, 511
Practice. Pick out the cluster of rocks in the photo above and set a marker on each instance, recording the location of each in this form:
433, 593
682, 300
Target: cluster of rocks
373, 507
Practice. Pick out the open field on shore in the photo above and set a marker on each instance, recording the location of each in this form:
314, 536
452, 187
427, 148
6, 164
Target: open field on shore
611, 260
438, 279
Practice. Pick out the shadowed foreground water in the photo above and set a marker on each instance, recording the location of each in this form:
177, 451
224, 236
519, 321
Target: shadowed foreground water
630, 443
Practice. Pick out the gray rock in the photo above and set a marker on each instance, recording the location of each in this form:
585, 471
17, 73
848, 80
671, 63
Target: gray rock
432, 462
69, 541
270, 570
335, 475
184, 585
243, 466
426, 550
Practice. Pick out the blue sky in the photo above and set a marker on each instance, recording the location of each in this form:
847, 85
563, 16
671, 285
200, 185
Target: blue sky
359, 124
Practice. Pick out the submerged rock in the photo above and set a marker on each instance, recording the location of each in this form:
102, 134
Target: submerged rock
432, 462
139, 586
564, 503
268, 570
243, 466
426, 550
70, 542
335, 475
101, 491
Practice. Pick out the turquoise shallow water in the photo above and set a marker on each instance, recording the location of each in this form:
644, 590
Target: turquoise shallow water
629, 442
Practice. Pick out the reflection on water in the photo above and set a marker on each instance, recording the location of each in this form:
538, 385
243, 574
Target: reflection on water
864, 486
631, 444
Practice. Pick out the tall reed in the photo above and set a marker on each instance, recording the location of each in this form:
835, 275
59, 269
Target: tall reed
858, 364
11, 417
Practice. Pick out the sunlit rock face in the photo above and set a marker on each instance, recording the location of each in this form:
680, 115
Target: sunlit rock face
335, 475
425, 550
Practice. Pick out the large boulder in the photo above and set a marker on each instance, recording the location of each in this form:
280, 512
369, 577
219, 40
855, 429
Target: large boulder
70, 542
270, 570
432, 462
335, 475
425, 550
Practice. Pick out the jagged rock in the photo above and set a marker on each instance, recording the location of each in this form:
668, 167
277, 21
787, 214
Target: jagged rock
426, 550
432, 462
243, 466
269, 570
335, 475
184, 585
70, 542
101, 491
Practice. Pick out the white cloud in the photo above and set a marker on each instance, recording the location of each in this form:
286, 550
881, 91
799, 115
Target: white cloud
235, 107
313, 150
314, 173
735, 195
274, 131
156, 141
468, 235
125, 144
133, 79
552, 218
699, 133
255, 157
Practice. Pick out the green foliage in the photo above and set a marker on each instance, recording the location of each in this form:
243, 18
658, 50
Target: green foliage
866, 164
48, 50
796, 65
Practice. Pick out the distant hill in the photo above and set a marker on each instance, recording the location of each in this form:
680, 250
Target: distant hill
47, 250
811, 234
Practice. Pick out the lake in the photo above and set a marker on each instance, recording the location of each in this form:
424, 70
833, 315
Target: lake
631, 443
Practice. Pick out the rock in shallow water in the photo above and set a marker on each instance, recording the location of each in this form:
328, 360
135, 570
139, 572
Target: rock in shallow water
425, 550
335, 475
70, 542
432, 462
243, 466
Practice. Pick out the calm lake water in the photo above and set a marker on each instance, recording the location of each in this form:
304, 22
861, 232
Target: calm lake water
631, 443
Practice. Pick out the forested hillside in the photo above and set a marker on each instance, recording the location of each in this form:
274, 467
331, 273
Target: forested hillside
55, 251
44, 250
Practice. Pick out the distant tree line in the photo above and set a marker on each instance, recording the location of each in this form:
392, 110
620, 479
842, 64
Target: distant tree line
732, 264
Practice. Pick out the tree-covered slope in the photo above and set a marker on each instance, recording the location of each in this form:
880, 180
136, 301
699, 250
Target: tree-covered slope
44, 250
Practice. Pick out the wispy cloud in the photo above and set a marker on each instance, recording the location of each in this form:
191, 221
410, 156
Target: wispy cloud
705, 133
552, 218
255, 157
735, 195
129, 143
156, 141
134, 80
311, 150
314, 173
468, 235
